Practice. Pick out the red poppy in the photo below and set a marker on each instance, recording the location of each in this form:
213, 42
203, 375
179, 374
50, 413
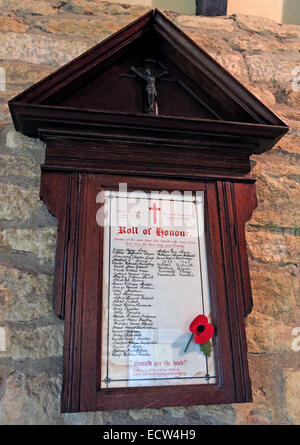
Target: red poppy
202, 330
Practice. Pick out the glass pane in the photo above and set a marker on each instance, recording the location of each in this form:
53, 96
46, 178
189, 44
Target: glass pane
155, 284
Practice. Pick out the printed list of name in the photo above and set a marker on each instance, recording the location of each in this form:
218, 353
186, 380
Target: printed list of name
134, 299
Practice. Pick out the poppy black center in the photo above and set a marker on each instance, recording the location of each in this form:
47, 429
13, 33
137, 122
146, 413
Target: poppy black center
200, 328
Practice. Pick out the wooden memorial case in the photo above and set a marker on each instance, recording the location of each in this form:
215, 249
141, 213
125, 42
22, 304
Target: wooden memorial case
99, 131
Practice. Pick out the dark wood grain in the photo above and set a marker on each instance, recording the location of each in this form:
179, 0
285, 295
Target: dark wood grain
90, 113
73, 299
94, 95
244, 203
232, 261
93, 156
82, 357
55, 191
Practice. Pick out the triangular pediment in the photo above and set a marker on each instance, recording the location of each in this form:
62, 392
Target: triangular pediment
119, 89
189, 85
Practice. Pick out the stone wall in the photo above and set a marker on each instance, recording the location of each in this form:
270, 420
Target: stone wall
36, 37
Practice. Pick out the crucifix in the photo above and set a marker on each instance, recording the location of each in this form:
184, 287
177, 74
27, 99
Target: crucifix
150, 78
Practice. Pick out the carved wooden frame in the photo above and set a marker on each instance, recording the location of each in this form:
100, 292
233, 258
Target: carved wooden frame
87, 149
71, 197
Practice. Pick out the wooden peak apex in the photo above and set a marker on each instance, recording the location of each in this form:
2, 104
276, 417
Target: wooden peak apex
183, 82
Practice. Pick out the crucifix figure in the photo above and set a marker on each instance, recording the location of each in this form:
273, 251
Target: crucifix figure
151, 91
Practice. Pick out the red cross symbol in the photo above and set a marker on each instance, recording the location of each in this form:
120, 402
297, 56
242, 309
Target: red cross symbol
155, 209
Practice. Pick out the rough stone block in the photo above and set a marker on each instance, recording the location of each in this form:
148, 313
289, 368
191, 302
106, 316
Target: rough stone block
24, 74
240, 41
40, 242
234, 63
39, 48
14, 24
289, 96
272, 68
265, 26
277, 203
292, 395
199, 22
265, 334
93, 7
23, 296
42, 401
276, 164
95, 28
18, 166
267, 247
38, 7
13, 397
274, 290
289, 144
18, 203
209, 40
35, 342
263, 94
